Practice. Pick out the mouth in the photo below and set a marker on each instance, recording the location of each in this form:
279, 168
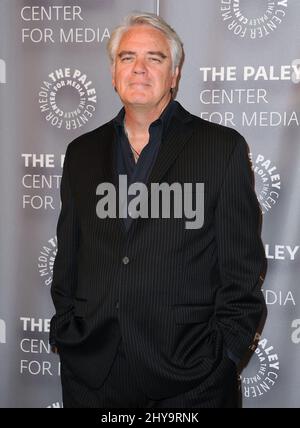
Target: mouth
141, 84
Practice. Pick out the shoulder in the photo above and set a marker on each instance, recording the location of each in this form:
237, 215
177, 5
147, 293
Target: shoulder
88, 142
218, 137
217, 133
220, 141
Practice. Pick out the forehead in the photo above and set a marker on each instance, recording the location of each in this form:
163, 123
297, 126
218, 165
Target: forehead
144, 37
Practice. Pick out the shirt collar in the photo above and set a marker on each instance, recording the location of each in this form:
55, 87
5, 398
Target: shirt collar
164, 118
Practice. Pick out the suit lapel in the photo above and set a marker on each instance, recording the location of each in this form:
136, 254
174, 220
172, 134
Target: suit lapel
179, 132
107, 155
107, 170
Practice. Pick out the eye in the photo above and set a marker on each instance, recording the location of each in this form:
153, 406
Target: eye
155, 59
126, 58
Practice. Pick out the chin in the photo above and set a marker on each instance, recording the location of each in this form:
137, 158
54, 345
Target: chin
142, 96
138, 101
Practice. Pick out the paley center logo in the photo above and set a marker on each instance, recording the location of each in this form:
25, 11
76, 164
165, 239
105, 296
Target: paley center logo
2, 71
253, 19
2, 331
46, 260
67, 98
267, 181
262, 372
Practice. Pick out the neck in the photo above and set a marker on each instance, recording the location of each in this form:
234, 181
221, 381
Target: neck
138, 120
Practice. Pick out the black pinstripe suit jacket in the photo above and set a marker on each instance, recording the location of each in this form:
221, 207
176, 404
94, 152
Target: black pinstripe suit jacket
184, 295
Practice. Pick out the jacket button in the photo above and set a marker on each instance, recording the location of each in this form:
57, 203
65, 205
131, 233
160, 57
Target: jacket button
117, 305
125, 260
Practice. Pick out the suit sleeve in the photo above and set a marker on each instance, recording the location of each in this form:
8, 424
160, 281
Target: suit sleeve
241, 256
64, 280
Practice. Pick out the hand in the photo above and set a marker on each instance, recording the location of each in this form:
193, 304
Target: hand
54, 349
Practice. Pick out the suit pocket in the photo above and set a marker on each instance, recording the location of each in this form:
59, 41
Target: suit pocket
194, 334
190, 314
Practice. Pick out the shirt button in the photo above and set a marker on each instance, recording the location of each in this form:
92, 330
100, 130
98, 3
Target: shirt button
125, 260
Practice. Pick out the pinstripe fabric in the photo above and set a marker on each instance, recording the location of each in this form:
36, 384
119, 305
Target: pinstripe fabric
185, 295
121, 390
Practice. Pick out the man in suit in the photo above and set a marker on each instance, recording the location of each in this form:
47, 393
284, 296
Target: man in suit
150, 312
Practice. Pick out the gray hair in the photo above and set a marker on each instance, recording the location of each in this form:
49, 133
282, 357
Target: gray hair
176, 45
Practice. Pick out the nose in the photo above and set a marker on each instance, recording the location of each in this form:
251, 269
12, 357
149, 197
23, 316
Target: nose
139, 66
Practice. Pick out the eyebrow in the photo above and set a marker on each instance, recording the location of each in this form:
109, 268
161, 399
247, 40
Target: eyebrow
158, 53
122, 53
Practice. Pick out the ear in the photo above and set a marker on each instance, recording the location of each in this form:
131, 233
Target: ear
174, 78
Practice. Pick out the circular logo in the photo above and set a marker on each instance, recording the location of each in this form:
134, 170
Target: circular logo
267, 182
262, 372
253, 19
46, 260
67, 99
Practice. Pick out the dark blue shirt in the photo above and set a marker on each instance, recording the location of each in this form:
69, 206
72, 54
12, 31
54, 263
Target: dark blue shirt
139, 171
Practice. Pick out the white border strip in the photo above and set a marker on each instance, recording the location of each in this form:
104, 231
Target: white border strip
157, 7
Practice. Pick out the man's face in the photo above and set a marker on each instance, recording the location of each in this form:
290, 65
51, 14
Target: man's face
142, 73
